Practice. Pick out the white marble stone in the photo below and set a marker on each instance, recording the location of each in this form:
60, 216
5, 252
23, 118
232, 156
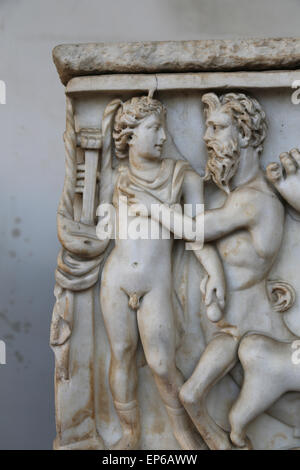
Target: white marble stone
151, 311
73, 60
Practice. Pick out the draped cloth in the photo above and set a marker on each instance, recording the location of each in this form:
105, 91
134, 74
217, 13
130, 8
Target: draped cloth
76, 274
72, 275
166, 187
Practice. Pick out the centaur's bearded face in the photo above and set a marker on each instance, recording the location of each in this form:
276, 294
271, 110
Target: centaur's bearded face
221, 138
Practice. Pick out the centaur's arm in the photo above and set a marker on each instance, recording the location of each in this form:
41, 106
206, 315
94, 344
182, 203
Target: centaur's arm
238, 212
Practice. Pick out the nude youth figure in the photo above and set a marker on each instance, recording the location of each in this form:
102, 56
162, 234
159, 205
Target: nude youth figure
136, 287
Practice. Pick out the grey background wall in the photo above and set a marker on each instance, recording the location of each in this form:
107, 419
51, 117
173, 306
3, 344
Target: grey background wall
32, 163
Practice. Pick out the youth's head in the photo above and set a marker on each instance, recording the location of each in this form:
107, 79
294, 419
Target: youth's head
140, 124
233, 121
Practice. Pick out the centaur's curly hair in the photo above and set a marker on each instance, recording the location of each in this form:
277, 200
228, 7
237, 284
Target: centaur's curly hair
246, 112
129, 116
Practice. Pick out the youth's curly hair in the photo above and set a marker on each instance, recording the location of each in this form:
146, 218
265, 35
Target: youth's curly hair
129, 116
245, 110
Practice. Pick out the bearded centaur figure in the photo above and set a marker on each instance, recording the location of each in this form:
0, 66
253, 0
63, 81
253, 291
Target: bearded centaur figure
248, 232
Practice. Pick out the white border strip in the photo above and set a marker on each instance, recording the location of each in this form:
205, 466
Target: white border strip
182, 81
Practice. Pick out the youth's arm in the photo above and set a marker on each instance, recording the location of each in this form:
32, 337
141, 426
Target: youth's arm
213, 285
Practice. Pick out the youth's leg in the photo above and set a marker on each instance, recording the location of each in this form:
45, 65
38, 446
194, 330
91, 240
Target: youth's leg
157, 332
121, 326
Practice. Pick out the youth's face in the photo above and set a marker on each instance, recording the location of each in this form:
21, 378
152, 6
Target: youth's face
149, 136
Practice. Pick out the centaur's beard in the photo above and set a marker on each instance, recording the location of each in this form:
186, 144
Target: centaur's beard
223, 161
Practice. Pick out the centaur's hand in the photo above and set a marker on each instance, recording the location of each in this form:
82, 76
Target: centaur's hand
285, 176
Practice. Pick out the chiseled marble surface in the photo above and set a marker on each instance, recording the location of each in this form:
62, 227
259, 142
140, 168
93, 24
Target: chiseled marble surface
84, 403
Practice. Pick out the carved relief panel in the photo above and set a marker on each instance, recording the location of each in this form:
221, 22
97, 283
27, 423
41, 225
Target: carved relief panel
165, 342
